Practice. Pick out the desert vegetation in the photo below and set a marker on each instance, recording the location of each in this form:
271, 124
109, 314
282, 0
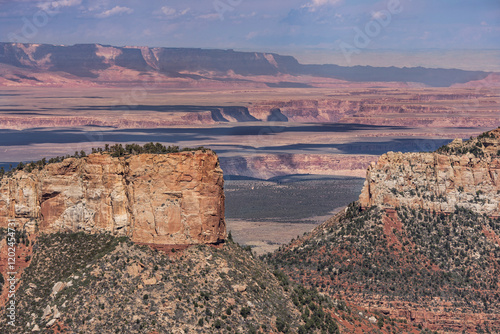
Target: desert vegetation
98, 283
475, 145
116, 150
111, 285
450, 261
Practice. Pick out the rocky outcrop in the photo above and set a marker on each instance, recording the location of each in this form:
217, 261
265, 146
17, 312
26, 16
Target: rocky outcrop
459, 174
173, 198
397, 256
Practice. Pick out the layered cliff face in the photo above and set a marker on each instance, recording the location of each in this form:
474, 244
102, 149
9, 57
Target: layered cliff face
324, 110
95, 63
460, 174
176, 198
265, 166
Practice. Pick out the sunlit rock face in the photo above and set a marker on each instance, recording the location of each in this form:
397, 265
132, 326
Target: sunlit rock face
463, 174
175, 198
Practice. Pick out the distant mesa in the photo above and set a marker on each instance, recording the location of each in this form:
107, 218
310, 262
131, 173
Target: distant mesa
90, 64
236, 114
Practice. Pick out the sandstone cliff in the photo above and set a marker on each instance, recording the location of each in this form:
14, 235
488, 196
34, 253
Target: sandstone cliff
174, 198
463, 174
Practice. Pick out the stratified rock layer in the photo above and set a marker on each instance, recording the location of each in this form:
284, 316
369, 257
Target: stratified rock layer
174, 198
463, 174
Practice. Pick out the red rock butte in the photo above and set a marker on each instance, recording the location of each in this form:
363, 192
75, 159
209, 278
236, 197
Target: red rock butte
171, 199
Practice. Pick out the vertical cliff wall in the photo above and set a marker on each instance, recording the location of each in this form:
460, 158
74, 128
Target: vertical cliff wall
463, 174
175, 198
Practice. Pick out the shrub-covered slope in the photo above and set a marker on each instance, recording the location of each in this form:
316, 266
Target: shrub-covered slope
82, 283
440, 271
108, 285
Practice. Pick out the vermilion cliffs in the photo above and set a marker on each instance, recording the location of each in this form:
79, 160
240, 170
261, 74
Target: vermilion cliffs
175, 198
90, 64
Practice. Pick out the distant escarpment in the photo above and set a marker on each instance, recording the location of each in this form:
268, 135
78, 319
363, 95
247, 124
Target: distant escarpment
84, 64
265, 166
175, 198
301, 110
460, 174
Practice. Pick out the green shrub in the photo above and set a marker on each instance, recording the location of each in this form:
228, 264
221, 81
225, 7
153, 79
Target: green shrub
245, 311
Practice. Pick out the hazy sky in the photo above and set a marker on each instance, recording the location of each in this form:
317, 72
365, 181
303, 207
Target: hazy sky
298, 27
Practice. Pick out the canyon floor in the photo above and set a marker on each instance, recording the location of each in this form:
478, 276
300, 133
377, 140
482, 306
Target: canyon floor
254, 131
267, 214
